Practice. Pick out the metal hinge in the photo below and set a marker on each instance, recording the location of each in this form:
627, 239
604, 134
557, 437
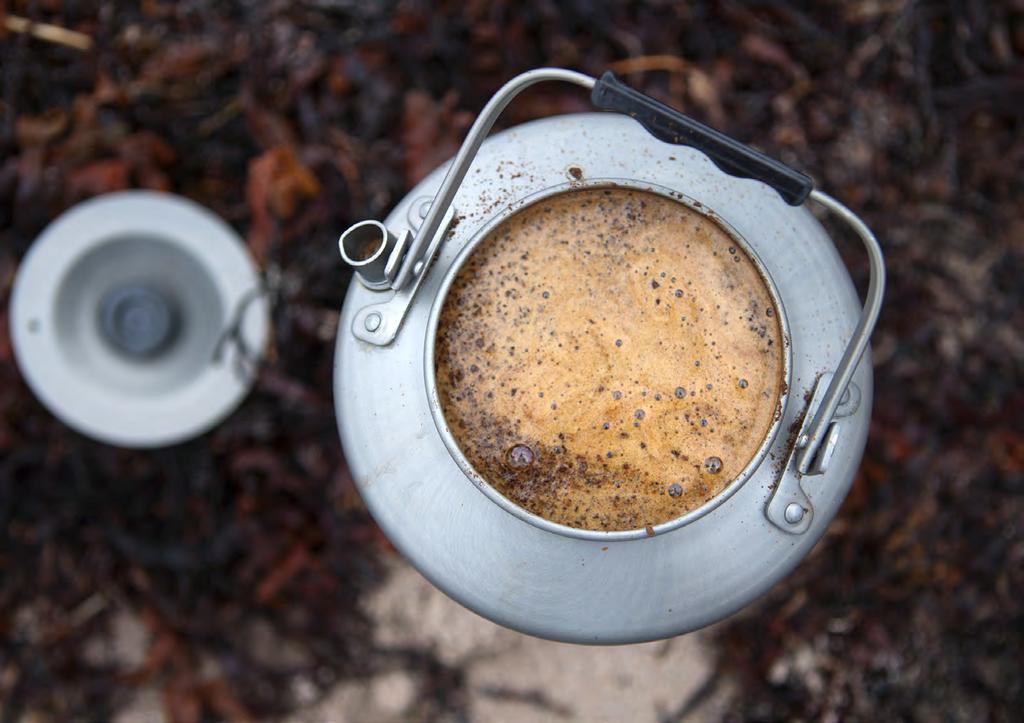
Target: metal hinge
384, 261
790, 508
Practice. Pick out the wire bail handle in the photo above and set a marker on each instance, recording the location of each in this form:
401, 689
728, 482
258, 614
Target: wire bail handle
401, 262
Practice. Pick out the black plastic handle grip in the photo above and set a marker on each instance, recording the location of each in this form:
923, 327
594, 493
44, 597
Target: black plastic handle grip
727, 153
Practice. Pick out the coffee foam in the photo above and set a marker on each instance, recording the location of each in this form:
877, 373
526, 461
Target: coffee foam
609, 359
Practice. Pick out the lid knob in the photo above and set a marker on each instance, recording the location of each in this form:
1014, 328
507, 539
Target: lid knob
138, 320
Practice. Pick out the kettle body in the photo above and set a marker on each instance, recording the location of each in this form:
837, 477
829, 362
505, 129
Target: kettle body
592, 586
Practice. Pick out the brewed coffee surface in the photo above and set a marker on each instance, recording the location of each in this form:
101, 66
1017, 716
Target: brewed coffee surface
609, 359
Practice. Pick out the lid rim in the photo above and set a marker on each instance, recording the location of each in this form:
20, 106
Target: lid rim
162, 418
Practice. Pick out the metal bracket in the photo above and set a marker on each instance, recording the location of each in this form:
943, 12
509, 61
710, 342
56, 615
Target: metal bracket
790, 508
379, 323
371, 250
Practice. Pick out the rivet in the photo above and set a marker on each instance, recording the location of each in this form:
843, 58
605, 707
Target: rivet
372, 321
794, 513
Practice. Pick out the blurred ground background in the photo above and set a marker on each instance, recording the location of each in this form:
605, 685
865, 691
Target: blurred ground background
238, 577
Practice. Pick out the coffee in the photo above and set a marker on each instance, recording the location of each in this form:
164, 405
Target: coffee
609, 359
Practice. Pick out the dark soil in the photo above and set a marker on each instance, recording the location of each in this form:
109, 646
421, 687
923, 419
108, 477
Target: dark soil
293, 119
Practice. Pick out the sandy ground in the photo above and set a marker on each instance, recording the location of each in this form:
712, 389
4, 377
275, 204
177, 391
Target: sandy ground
509, 676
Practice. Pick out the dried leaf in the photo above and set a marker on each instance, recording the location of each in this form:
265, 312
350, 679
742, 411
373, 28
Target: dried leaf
40, 130
338, 80
147, 154
431, 132
269, 128
179, 60
764, 50
705, 94
99, 177
282, 574
277, 182
147, 148
106, 90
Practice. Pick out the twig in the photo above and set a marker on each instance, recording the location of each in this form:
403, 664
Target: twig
533, 697
49, 33
879, 41
223, 116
